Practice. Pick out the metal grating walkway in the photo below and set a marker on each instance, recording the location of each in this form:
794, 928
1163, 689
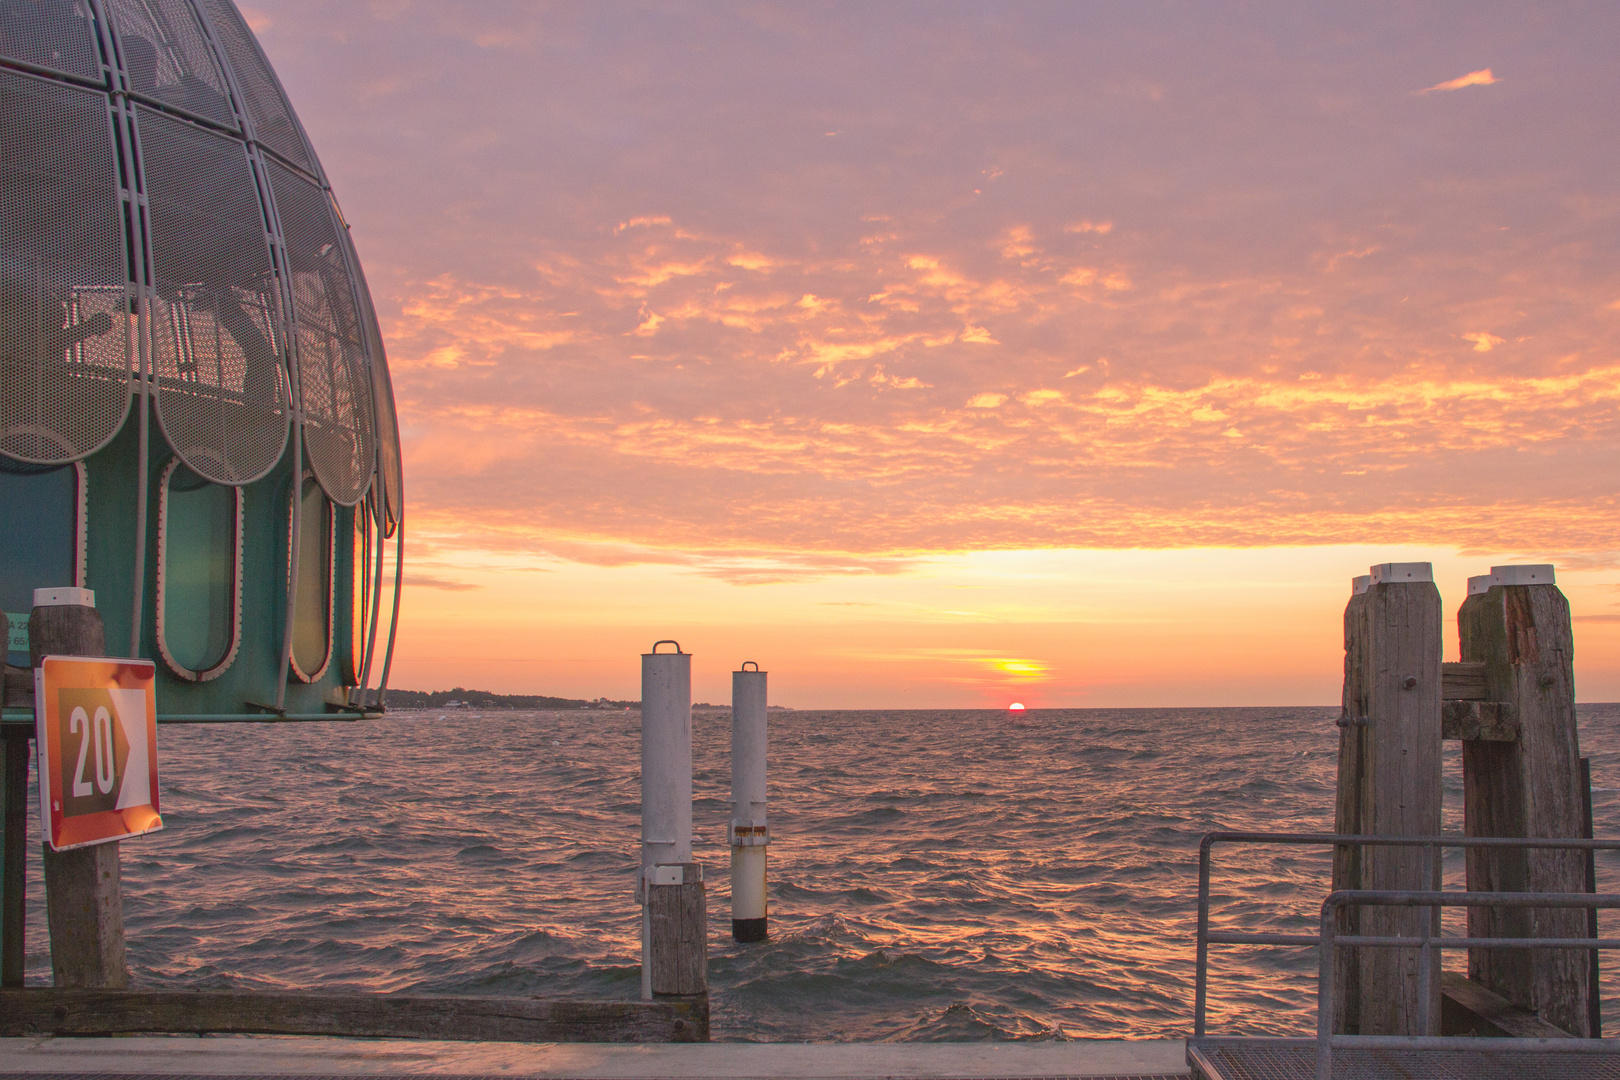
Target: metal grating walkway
441, 1076
1295, 1059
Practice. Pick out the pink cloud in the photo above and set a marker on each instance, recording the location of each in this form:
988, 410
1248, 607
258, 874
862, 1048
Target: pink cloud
1482, 77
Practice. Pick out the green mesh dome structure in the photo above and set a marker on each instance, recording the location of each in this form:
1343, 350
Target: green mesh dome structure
186, 338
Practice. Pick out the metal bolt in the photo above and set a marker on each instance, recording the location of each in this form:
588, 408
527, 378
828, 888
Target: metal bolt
1411, 682
1547, 680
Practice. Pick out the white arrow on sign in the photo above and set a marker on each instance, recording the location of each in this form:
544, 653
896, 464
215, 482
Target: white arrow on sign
136, 790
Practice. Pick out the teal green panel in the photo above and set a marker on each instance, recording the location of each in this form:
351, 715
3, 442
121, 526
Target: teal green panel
199, 563
253, 674
38, 540
110, 531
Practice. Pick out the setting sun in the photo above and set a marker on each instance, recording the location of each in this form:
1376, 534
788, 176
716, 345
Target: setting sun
1017, 706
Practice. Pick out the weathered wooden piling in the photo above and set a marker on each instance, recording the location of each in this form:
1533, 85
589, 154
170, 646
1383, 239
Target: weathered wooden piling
13, 856
674, 923
1389, 785
749, 832
84, 906
1521, 778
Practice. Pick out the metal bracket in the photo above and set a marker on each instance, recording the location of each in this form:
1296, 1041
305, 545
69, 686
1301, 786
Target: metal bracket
757, 834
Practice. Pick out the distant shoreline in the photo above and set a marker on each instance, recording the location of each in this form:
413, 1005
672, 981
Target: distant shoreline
460, 698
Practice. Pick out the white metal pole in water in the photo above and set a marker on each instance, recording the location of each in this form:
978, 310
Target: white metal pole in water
666, 777
749, 832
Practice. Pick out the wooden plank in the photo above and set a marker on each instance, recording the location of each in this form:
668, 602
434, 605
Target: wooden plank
1594, 983
679, 933
1528, 787
1351, 807
1492, 721
51, 1011
17, 691
1469, 1009
13, 854
1462, 681
84, 903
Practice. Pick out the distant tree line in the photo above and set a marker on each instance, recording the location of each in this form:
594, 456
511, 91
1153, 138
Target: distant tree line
485, 699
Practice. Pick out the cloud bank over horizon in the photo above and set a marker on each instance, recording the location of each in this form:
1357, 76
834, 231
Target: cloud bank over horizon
769, 293
949, 277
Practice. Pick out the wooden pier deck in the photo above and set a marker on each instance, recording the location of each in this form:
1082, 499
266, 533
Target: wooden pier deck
239, 1056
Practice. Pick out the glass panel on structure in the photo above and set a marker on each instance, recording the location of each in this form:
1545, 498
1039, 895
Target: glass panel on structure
200, 544
39, 543
312, 627
360, 609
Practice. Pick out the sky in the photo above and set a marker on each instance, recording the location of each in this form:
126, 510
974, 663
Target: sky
950, 354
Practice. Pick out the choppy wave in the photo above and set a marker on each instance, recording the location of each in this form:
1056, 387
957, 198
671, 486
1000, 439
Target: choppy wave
944, 875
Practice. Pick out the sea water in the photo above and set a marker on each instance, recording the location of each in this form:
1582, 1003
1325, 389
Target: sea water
934, 875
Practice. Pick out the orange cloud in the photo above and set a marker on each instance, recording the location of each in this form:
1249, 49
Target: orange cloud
1482, 77
842, 399
1483, 342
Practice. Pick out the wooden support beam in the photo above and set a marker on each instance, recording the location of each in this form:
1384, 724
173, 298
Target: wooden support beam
1526, 787
13, 852
1461, 681
1354, 798
1389, 785
84, 904
1491, 721
1467, 1008
49, 1011
17, 690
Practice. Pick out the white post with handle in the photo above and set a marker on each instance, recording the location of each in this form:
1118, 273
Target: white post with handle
674, 949
748, 832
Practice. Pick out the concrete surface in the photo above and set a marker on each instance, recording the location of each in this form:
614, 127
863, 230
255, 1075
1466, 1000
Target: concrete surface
242, 1055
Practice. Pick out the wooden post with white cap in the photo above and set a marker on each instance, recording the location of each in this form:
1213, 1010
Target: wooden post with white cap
84, 905
674, 923
1521, 777
749, 833
1389, 785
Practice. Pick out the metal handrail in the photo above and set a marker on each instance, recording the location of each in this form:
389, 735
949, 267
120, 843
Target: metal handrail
1331, 941
1206, 937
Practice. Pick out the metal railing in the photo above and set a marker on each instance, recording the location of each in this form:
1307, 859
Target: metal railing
1329, 941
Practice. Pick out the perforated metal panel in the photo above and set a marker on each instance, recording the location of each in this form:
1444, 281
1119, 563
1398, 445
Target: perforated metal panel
64, 365
216, 336
333, 370
272, 117
55, 34
391, 471
390, 465
167, 57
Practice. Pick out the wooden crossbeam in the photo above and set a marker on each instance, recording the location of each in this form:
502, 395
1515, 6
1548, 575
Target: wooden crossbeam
1467, 1008
1462, 681
1489, 721
49, 1011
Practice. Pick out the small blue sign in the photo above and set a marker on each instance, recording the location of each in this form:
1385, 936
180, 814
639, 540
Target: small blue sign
16, 632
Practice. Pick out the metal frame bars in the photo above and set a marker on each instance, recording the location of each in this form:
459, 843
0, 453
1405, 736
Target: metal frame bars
1207, 937
1330, 943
